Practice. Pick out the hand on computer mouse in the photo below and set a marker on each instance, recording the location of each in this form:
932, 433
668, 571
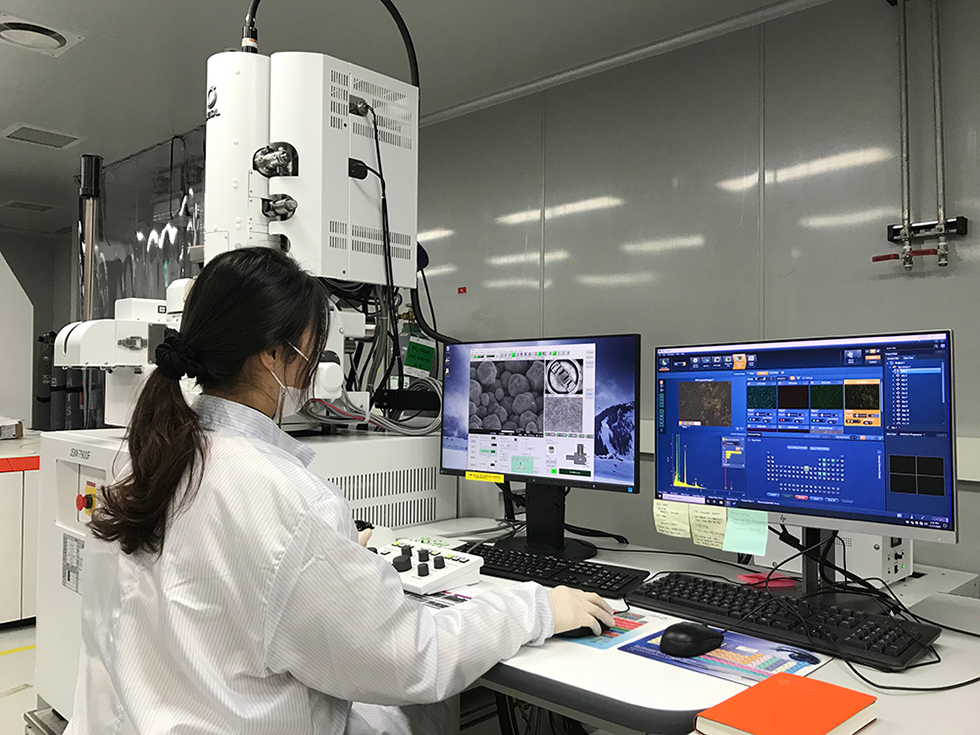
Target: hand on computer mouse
364, 536
574, 609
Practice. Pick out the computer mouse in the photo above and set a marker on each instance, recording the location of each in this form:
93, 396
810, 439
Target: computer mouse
582, 632
685, 640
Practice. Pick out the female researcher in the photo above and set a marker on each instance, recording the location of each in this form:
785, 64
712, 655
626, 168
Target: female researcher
228, 593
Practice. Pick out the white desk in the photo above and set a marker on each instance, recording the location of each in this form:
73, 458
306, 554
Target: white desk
625, 693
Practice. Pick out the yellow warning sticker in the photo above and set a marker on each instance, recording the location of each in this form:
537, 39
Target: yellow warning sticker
484, 476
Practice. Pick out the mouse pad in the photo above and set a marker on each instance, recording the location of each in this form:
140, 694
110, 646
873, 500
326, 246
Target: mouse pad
741, 658
627, 625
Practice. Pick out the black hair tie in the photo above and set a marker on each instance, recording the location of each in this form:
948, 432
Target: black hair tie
175, 359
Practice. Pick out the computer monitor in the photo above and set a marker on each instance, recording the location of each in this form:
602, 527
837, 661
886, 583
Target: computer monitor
553, 413
851, 434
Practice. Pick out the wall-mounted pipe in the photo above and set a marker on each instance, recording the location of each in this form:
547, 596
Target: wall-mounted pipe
942, 247
903, 79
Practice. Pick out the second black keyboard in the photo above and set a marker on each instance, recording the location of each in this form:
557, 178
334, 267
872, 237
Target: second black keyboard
874, 639
605, 580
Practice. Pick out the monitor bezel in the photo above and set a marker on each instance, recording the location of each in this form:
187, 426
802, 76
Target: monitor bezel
567, 482
873, 528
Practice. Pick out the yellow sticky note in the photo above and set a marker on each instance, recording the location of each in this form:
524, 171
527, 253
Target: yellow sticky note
746, 531
708, 524
484, 477
671, 519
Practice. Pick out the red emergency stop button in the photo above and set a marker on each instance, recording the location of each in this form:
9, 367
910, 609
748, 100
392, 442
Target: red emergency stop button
84, 502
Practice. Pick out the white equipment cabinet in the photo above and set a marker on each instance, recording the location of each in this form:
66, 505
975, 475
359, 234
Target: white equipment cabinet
387, 480
18, 528
297, 107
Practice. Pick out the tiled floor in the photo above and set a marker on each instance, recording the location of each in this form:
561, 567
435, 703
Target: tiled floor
17, 694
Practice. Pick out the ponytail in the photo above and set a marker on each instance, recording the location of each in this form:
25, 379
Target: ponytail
165, 444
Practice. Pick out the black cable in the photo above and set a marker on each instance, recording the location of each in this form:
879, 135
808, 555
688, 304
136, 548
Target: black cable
508, 502
684, 553
790, 540
386, 246
595, 533
413, 62
428, 296
514, 497
816, 628
423, 325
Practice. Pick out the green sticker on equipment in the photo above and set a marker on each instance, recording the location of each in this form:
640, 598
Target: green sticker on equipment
420, 355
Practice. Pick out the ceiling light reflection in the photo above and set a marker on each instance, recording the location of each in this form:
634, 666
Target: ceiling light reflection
826, 164
617, 279
430, 235
664, 245
560, 210
550, 256
850, 218
440, 270
532, 283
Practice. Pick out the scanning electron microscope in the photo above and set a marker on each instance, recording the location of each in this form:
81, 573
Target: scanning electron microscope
295, 146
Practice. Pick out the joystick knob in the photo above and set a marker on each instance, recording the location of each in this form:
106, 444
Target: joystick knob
402, 563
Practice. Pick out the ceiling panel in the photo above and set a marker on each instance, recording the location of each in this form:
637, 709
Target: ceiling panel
138, 76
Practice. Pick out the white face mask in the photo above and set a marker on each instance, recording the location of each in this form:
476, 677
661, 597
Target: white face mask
290, 398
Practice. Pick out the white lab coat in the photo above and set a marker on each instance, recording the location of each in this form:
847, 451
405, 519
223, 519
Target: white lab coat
263, 615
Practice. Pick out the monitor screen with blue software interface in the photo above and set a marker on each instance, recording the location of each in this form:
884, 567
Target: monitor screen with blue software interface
549, 411
843, 433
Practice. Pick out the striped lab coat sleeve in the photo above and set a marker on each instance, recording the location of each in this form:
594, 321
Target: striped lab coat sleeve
336, 619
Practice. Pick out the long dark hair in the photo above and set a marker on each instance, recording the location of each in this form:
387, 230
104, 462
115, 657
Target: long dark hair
243, 303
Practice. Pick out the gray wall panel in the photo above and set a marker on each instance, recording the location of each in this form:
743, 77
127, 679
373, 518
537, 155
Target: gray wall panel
472, 171
667, 252
833, 178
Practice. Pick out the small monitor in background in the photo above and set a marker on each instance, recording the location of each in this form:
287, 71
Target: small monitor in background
553, 413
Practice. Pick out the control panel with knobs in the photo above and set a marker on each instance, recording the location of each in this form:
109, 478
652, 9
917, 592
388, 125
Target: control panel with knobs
426, 569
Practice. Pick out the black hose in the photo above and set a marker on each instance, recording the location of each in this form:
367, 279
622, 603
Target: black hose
413, 62
424, 326
250, 31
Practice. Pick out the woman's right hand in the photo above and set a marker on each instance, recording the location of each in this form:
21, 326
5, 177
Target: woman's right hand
574, 609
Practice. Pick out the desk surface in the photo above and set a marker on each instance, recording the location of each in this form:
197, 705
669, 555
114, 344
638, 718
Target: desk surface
610, 687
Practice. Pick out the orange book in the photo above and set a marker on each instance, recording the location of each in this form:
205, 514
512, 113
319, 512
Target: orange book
787, 703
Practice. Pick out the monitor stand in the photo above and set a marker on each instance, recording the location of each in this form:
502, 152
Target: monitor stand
545, 517
812, 583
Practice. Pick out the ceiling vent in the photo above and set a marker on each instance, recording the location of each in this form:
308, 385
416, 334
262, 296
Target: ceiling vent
35, 37
39, 136
33, 207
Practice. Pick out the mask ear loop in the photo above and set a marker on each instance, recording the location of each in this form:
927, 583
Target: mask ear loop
281, 403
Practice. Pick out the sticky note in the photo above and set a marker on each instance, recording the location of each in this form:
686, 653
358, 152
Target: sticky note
484, 476
671, 518
746, 531
708, 523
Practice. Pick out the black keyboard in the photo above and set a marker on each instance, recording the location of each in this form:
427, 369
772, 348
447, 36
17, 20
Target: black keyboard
603, 579
874, 639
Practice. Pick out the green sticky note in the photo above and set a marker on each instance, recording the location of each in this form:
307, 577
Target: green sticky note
746, 531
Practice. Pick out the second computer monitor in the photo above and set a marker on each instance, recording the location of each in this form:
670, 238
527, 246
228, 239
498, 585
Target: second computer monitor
852, 434
550, 411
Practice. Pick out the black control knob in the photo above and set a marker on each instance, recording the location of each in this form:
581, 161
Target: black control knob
372, 549
422, 570
423, 555
439, 562
406, 550
402, 563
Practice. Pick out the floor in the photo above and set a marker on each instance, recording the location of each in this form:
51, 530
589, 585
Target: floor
17, 694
